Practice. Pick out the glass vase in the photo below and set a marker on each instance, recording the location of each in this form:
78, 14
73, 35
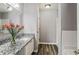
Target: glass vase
13, 41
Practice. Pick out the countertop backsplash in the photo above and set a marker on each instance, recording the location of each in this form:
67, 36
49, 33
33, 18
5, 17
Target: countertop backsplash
4, 38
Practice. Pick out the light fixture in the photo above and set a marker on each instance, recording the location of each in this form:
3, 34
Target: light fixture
9, 8
16, 5
47, 5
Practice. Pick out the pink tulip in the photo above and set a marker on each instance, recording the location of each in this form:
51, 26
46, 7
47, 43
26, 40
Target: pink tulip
17, 26
21, 27
12, 25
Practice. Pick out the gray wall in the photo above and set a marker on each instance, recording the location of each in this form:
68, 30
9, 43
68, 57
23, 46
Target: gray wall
5, 15
69, 16
0, 15
0, 20
3, 18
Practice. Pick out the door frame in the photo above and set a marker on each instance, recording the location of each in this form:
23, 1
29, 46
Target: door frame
77, 26
58, 30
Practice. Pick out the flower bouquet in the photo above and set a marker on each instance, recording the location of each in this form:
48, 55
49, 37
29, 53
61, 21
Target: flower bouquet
13, 30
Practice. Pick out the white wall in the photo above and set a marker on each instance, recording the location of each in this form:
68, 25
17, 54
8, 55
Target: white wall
30, 18
69, 42
48, 25
14, 17
0, 15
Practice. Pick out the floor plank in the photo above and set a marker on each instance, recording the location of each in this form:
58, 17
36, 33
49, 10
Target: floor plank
47, 49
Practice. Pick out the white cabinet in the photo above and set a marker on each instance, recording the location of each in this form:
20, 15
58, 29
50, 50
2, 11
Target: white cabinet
27, 49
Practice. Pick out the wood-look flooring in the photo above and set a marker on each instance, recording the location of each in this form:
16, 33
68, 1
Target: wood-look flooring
47, 49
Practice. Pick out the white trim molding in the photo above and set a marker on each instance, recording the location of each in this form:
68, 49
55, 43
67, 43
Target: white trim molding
58, 30
47, 43
77, 25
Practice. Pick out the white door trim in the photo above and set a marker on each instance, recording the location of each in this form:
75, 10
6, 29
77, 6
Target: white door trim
59, 32
77, 25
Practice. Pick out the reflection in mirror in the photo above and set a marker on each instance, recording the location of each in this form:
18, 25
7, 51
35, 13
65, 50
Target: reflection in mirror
15, 5
9, 12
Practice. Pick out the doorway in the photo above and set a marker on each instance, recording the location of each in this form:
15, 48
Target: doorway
48, 24
47, 19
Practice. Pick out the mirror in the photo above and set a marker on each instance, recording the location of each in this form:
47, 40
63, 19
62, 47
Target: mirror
9, 12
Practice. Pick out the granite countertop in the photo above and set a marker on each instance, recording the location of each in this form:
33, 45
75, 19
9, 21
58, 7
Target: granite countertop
8, 49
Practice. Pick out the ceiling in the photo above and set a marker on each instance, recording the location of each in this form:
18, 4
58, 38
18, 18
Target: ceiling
3, 6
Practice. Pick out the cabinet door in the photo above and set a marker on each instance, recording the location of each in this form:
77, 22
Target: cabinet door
28, 49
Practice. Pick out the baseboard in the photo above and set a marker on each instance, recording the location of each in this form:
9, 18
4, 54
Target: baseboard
46, 43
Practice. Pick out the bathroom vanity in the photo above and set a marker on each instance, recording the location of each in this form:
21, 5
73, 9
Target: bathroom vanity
24, 46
